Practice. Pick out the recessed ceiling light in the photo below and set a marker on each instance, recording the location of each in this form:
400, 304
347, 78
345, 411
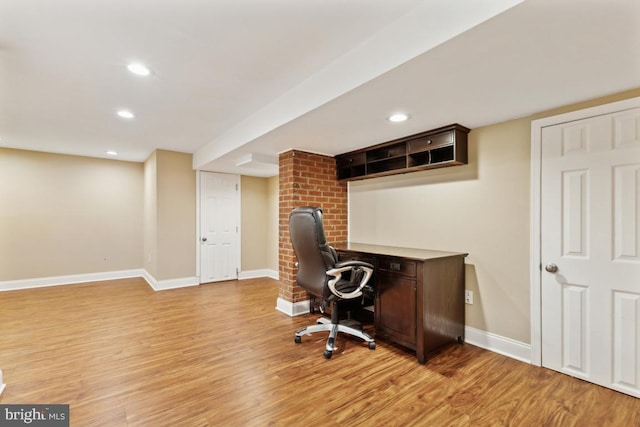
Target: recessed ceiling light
139, 69
398, 117
125, 114
112, 153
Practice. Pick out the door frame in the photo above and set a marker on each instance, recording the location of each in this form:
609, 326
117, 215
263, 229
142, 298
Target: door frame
198, 231
536, 205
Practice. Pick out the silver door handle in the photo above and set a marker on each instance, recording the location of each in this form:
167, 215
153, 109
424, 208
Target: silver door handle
551, 268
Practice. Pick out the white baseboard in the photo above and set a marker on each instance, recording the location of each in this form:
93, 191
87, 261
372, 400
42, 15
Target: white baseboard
291, 308
12, 285
157, 285
498, 344
254, 274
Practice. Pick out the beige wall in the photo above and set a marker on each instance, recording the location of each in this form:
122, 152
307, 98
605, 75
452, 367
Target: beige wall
259, 211
253, 206
482, 208
64, 215
274, 225
150, 243
170, 215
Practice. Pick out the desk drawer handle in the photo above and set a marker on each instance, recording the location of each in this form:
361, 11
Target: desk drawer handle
394, 266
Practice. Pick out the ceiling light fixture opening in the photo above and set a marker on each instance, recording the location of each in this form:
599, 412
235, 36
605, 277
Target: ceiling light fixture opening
398, 117
139, 69
126, 114
112, 153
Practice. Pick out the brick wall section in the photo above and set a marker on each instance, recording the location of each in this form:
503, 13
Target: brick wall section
307, 179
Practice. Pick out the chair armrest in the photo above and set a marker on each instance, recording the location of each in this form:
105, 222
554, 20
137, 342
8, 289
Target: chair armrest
341, 267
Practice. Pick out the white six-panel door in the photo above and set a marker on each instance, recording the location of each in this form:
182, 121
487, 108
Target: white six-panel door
590, 249
219, 226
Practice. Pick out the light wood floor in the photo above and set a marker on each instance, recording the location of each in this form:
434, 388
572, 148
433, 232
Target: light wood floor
221, 355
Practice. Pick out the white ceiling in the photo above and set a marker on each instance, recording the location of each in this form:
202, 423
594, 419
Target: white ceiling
237, 81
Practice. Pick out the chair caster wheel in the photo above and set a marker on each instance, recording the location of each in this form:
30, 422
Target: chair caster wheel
298, 339
372, 346
328, 354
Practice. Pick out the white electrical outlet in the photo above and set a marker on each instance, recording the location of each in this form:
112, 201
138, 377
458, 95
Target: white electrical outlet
468, 297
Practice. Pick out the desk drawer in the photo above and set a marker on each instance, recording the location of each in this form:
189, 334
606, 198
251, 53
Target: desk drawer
397, 265
429, 142
355, 256
352, 160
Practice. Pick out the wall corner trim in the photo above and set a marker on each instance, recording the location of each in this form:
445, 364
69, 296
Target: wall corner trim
2, 384
163, 285
292, 309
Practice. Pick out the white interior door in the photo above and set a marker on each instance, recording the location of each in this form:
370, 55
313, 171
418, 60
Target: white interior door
219, 226
590, 249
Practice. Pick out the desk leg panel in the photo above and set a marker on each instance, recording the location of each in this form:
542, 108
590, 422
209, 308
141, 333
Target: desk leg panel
442, 317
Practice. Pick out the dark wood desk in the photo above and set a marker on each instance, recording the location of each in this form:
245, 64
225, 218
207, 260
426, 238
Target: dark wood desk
419, 300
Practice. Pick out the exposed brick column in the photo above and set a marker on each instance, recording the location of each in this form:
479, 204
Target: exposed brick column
307, 179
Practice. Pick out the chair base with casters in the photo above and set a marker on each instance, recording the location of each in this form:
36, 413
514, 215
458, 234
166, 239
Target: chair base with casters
334, 326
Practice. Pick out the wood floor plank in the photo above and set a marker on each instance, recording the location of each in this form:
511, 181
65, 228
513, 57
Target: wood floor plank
219, 354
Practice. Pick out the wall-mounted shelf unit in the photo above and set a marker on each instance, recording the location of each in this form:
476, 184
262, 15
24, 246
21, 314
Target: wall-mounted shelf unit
437, 148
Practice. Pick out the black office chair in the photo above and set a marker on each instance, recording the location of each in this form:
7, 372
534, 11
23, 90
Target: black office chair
321, 275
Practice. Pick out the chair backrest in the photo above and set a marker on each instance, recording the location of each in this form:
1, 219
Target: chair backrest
314, 255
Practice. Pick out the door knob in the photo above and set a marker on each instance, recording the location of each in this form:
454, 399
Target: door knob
204, 239
551, 268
